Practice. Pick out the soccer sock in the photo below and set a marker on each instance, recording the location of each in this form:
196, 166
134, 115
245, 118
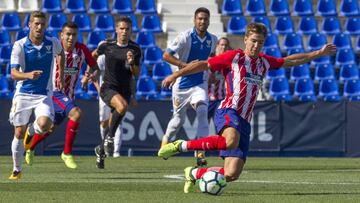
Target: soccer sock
215, 142
173, 126
197, 173
203, 123
103, 132
37, 138
71, 131
17, 148
117, 139
115, 122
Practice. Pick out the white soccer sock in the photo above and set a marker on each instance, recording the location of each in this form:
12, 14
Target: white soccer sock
37, 128
117, 140
184, 146
194, 172
203, 125
103, 131
17, 148
173, 126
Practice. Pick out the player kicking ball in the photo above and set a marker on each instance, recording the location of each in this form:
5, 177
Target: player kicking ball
244, 71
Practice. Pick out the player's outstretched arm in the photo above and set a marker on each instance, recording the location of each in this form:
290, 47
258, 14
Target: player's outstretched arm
33, 75
298, 59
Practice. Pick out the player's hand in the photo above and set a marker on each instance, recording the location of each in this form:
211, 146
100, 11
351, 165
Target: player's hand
130, 58
328, 49
60, 84
84, 81
168, 82
34, 75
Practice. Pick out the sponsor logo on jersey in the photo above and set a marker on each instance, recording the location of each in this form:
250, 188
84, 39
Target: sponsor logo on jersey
251, 78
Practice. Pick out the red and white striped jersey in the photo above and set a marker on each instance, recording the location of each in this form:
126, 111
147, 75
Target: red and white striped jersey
73, 64
243, 78
216, 86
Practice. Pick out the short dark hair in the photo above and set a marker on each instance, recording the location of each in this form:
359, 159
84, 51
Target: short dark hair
258, 28
125, 19
69, 25
201, 10
37, 14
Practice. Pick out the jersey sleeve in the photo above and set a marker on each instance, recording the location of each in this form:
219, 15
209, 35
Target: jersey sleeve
222, 61
16, 55
274, 62
57, 48
101, 62
88, 57
176, 44
101, 48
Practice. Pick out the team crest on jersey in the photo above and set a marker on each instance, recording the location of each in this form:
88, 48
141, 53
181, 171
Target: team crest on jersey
65, 99
251, 78
48, 49
208, 43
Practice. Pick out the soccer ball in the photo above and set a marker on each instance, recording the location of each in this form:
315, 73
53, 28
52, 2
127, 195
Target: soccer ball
212, 182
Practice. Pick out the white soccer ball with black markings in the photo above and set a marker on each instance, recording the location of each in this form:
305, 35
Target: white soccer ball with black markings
212, 182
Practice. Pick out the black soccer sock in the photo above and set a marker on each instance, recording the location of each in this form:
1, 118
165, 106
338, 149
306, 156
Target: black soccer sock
115, 122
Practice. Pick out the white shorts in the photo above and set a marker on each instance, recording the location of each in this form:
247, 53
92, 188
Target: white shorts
24, 104
104, 111
183, 98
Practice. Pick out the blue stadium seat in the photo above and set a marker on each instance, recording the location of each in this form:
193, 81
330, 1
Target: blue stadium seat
5, 39
52, 33
5, 53
99, 6
303, 8
146, 87
357, 44
135, 26
8, 71
271, 41
56, 21
21, 34
51, 6
146, 7
342, 41
279, 89
295, 51
255, 8
279, 8
80, 37
349, 72
329, 90
83, 21
324, 71
284, 25
300, 72
352, 26
145, 39
77, 6
165, 93
275, 52
352, 90
331, 25
79, 92
307, 25
316, 41
237, 25
122, 7
104, 22
160, 71
321, 60
94, 38
144, 71
11, 21
293, 41
153, 55
26, 22
91, 90
151, 23
275, 73
349, 8
265, 20
304, 89
4, 88
326, 8
344, 56
231, 7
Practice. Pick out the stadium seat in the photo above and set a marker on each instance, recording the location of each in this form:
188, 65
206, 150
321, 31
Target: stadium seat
27, 6
82, 20
304, 89
279, 89
7, 6
357, 44
146, 7
331, 25
52, 33
160, 71
349, 8
94, 38
349, 72
316, 41
265, 20
279, 8
293, 41
11, 21
324, 72
104, 22
21, 34
80, 37
271, 41
165, 93
8, 71
231, 7
5, 39
51, 6
275, 52
352, 26
295, 51
255, 8
303, 8
4, 88
152, 55
79, 92
91, 90
344, 56
329, 90
56, 21
300, 72
145, 39
321, 60
135, 26
237, 25
284, 25
326, 8
342, 41
144, 71
99, 6
352, 90
122, 7
307, 25
145, 87
151, 23
276, 73
26, 22
5, 53
77, 6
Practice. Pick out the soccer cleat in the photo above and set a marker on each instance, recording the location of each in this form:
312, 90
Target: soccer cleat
29, 157
99, 158
170, 149
69, 160
189, 180
109, 146
15, 175
200, 159
116, 155
28, 138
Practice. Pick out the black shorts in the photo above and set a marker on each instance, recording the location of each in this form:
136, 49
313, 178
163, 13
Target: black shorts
107, 93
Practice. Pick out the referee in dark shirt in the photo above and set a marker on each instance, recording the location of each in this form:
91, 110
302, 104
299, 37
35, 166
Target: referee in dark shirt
122, 62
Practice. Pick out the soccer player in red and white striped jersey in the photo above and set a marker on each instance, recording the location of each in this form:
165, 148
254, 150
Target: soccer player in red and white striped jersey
244, 70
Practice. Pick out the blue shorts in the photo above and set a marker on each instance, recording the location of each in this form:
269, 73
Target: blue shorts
213, 105
62, 106
230, 118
